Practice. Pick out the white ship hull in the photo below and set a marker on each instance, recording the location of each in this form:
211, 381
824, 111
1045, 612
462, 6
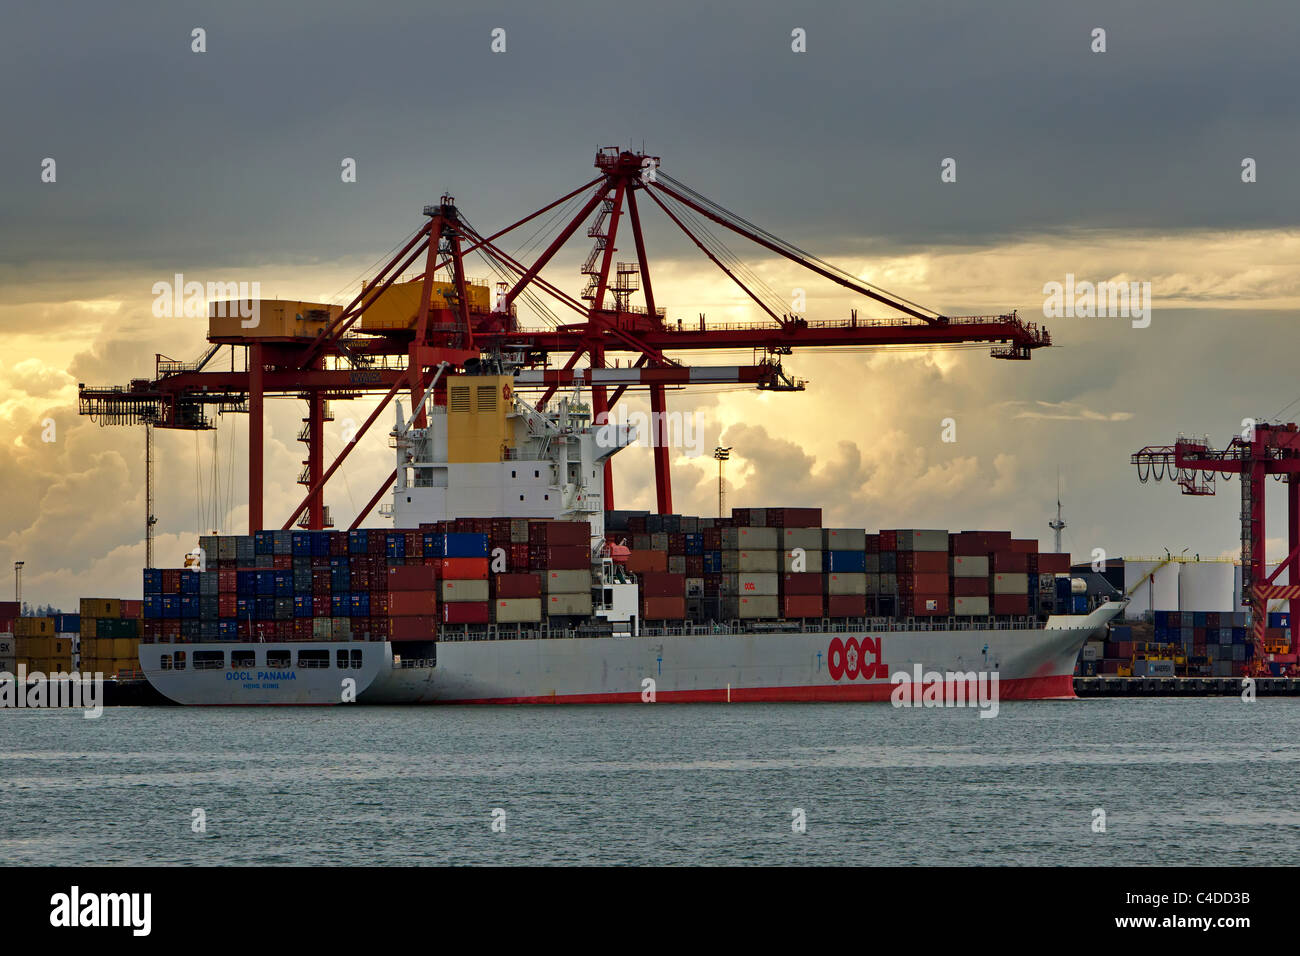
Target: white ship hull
1030, 663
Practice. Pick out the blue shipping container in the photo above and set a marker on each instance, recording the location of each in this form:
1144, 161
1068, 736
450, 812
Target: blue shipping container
846, 562
153, 580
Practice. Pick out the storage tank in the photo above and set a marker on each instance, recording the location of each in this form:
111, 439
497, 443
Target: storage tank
1164, 594
1140, 601
1206, 586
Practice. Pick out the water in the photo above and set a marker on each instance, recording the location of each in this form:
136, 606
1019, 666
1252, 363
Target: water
1190, 781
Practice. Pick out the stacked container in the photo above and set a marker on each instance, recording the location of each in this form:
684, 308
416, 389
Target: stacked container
750, 582
845, 572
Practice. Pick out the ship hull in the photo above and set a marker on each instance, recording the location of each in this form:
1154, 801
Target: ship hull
1029, 664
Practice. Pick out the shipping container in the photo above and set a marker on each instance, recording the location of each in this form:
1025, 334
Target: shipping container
1009, 583
518, 586
801, 605
810, 561
751, 607
801, 584
521, 610
810, 539
759, 583
1004, 603
659, 584
577, 605
414, 603
751, 560
464, 569
969, 565
846, 605
970, 606
913, 539
848, 562
844, 539
663, 608
751, 539
463, 589
566, 582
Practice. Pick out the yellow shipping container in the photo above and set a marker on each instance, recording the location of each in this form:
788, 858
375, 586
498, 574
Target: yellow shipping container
399, 305
87, 628
124, 647
25, 646
33, 626
100, 607
276, 318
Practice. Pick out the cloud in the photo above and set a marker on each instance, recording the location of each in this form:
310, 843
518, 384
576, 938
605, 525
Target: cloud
1064, 411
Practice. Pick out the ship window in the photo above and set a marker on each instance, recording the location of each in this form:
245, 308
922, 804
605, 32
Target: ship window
209, 660
408, 499
277, 658
165, 662
178, 662
356, 659
546, 497
313, 659
537, 474
521, 497
342, 660
243, 659
514, 474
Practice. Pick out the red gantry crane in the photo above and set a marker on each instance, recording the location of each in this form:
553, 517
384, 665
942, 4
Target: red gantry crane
1260, 451
321, 358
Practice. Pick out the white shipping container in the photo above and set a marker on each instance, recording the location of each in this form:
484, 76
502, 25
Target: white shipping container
915, 539
844, 539
751, 560
749, 607
518, 610
1010, 583
850, 582
810, 539
342, 628
566, 582
975, 606
459, 590
969, 565
761, 583
575, 604
1093, 651
695, 587
811, 562
753, 539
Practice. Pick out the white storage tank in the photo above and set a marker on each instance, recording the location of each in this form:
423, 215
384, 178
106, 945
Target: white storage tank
1206, 586
1140, 600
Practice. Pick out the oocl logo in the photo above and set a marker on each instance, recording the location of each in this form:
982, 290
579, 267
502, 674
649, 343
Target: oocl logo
847, 659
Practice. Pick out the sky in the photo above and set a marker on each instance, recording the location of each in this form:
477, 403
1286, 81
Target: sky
1117, 165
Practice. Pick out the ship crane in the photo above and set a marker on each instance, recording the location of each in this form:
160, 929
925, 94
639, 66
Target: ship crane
325, 358
1261, 450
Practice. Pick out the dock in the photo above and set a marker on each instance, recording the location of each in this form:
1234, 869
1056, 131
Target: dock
1111, 686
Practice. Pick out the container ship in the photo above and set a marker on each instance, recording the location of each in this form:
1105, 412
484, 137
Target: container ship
504, 580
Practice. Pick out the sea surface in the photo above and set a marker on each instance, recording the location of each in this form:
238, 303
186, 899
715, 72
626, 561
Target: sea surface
1181, 781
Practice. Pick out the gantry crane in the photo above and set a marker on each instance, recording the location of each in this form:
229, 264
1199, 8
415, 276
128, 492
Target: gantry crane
336, 362
1261, 450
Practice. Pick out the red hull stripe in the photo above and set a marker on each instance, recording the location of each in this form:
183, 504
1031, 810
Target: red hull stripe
1026, 688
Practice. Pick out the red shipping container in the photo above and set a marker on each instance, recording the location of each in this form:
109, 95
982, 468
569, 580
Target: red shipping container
1010, 562
1010, 604
363, 580
846, 605
923, 605
695, 565
923, 562
712, 539
413, 577
518, 586
559, 533
379, 604
1051, 563
889, 541
518, 560
970, 587
794, 517
1024, 545
302, 629
228, 582
801, 583
379, 628
640, 562
465, 569
226, 605
466, 612
412, 603
9, 610
661, 584
563, 558
677, 544
412, 628
132, 609
801, 605
923, 583
282, 562
663, 608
